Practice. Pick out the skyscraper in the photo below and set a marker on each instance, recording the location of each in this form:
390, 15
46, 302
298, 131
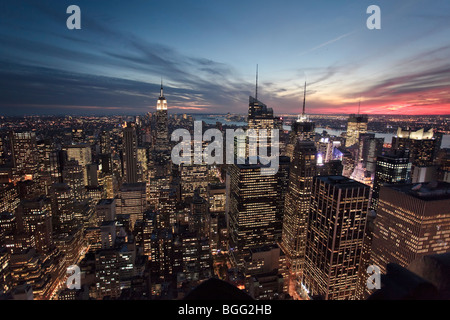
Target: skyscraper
57, 159
105, 210
107, 274
130, 170
82, 154
73, 175
105, 142
335, 235
24, 154
356, 125
62, 196
296, 208
261, 119
162, 129
412, 221
369, 148
422, 145
302, 129
34, 218
132, 201
391, 168
252, 216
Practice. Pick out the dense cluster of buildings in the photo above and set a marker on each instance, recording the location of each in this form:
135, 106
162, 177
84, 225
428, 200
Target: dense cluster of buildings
111, 201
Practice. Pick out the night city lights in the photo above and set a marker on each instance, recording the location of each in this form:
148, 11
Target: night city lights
216, 158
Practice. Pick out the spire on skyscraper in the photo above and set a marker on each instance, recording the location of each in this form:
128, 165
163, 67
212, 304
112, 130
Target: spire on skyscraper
161, 103
302, 117
256, 88
161, 95
304, 100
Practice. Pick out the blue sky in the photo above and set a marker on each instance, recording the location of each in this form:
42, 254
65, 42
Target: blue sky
207, 51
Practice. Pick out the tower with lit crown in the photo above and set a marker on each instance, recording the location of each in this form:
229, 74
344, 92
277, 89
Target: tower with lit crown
162, 130
261, 118
302, 129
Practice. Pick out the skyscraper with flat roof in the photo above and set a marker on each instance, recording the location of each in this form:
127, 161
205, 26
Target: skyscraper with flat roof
335, 236
34, 218
82, 154
24, 154
130, 154
391, 168
296, 209
132, 201
356, 125
252, 215
413, 220
422, 145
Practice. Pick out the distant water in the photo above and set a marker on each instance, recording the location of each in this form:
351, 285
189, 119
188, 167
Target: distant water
387, 136
222, 119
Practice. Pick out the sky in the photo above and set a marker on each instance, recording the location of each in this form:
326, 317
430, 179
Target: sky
206, 53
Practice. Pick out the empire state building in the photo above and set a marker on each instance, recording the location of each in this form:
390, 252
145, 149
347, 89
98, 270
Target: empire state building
162, 130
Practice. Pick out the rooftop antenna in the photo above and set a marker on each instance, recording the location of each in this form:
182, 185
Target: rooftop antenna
161, 94
359, 105
256, 91
304, 100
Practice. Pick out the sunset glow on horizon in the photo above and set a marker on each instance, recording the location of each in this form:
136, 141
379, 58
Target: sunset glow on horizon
207, 52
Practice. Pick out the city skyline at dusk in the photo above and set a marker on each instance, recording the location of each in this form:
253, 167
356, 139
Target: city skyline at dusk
244, 153
206, 53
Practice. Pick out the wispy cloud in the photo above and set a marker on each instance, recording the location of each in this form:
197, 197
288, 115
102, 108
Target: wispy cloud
327, 43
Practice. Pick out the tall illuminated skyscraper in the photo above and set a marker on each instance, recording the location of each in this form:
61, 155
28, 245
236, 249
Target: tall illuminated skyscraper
162, 129
107, 274
82, 154
369, 148
105, 142
252, 216
422, 145
72, 174
302, 129
392, 168
24, 154
34, 218
356, 125
296, 209
412, 221
261, 118
335, 236
261, 121
132, 201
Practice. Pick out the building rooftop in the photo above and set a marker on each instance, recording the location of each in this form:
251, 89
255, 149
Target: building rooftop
342, 182
108, 223
425, 191
264, 248
105, 202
